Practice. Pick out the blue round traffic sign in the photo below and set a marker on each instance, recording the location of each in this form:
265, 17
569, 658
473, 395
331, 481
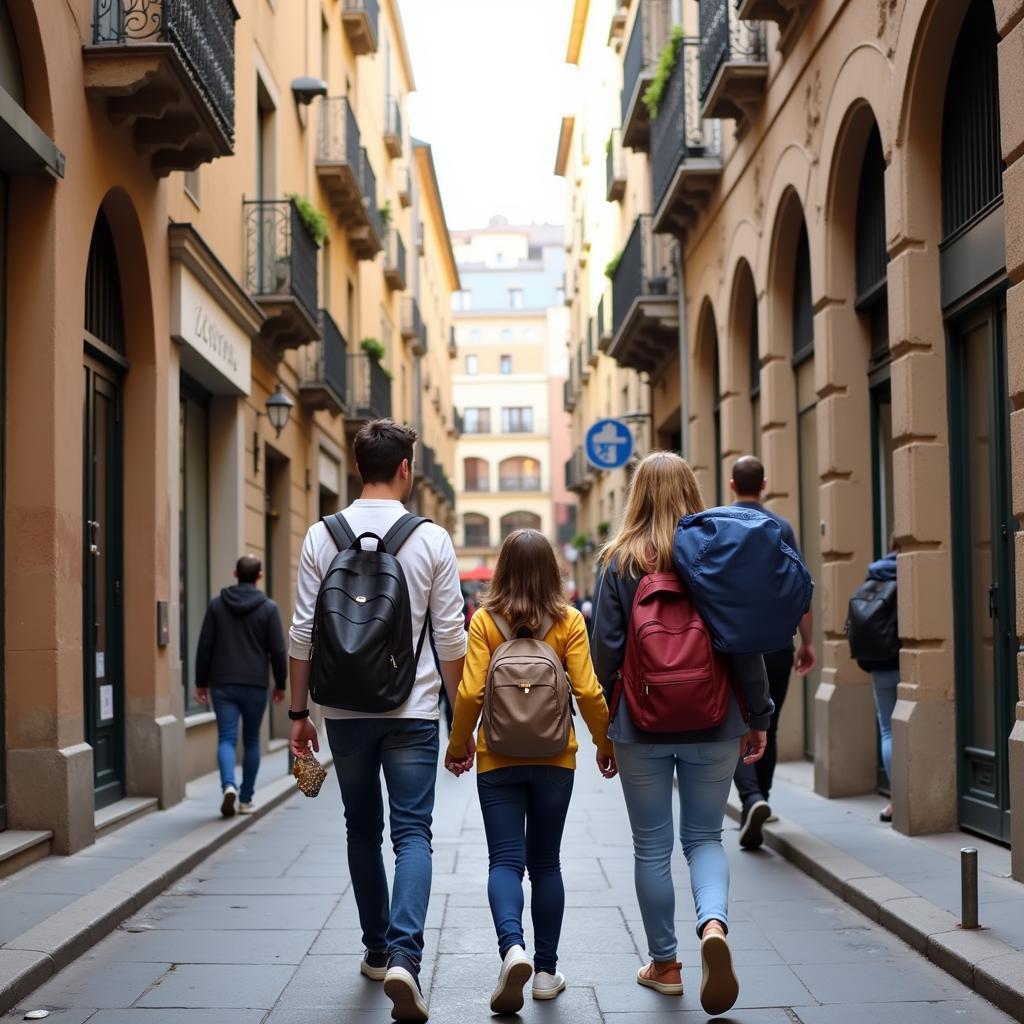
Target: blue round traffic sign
609, 444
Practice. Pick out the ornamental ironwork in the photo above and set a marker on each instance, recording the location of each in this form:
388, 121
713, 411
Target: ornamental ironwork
644, 269
725, 38
338, 139
280, 253
651, 30
202, 33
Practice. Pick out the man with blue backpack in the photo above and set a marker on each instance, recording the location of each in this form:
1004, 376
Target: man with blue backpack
754, 782
374, 583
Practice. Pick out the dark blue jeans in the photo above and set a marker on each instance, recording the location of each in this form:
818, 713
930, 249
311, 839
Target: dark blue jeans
524, 809
406, 750
231, 703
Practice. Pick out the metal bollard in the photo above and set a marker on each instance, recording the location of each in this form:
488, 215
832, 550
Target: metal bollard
968, 887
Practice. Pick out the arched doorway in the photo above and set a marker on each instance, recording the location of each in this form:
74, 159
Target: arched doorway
972, 254
103, 503
513, 521
747, 350
706, 409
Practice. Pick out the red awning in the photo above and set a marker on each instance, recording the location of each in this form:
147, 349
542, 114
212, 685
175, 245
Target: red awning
481, 574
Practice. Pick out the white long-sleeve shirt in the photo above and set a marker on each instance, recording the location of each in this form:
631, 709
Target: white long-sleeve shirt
432, 574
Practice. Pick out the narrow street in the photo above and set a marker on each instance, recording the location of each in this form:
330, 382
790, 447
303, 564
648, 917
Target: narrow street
266, 931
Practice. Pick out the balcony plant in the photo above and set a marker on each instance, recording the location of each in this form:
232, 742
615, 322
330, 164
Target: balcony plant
316, 222
581, 542
373, 348
385, 216
612, 266
603, 529
666, 65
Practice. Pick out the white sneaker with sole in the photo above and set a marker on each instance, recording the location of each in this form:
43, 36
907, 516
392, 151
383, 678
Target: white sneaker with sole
247, 808
227, 802
546, 985
515, 973
402, 988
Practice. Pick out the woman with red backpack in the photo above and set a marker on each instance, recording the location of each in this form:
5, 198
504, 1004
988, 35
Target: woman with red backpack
523, 641
678, 707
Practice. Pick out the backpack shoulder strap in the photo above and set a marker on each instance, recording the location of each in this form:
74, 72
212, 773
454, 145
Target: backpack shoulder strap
502, 623
545, 627
402, 531
341, 533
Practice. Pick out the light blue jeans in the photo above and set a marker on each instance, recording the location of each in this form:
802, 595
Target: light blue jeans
705, 775
885, 682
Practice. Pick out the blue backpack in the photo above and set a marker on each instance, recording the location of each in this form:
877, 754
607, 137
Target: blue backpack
750, 587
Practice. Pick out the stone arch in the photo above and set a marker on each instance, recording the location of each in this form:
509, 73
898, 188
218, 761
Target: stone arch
739, 391
705, 446
35, 67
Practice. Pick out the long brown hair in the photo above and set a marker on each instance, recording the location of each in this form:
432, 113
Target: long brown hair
662, 491
526, 584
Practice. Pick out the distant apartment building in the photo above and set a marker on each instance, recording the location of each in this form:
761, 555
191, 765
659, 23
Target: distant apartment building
510, 323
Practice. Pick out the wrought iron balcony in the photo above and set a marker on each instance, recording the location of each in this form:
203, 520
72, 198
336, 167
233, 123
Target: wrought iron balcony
339, 157
394, 260
323, 369
569, 395
733, 61
167, 70
425, 463
645, 303
603, 329
393, 126
615, 167
280, 271
369, 240
369, 390
457, 421
584, 366
686, 161
651, 30
785, 13
404, 187
412, 320
579, 477
453, 345
360, 18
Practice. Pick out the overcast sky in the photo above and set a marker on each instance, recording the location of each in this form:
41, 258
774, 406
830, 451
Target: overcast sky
491, 86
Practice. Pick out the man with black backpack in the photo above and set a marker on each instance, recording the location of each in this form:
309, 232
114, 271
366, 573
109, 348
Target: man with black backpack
754, 782
373, 582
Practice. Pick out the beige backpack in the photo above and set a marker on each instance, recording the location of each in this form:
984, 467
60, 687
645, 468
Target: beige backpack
527, 707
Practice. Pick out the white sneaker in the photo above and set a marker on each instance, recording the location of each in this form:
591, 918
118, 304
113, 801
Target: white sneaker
403, 989
247, 808
227, 803
515, 973
547, 986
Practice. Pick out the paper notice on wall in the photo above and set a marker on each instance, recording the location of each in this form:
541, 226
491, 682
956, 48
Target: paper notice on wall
106, 703
101, 665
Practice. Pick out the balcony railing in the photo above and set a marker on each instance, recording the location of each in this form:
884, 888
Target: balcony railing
568, 396
685, 148
361, 18
394, 260
578, 474
323, 372
733, 61
615, 167
369, 389
603, 323
453, 345
404, 187
644, 301
280, 269
412, 319
393, 126
457, 421
169, 69
369, 190
651, 29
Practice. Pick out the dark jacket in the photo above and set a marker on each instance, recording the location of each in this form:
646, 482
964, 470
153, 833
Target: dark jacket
608, 632
241, 633
885, 571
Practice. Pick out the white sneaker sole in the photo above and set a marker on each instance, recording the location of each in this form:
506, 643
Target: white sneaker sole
659, 986
719, 988
373, 973
508, 996
227, 804
548, 993
407, 1001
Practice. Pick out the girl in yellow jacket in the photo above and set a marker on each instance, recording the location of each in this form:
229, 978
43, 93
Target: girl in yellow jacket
520, 796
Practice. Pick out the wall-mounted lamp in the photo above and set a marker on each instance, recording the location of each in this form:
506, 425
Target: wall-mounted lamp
306, 89
279, 410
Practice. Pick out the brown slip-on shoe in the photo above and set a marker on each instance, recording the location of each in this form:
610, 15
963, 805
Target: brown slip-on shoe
719, 988
664, 978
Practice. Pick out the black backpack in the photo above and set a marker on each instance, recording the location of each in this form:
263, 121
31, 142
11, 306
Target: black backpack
871, 625
361, 653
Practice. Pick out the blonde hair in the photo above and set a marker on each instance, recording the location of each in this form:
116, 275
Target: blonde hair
662, 491
526, 584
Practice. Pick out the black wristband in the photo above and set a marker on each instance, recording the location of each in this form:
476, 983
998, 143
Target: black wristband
297, 716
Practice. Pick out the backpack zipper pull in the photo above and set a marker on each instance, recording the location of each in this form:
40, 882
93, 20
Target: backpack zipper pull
394, 664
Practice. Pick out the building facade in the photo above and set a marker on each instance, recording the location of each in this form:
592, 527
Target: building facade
841, 184
230, 255
510, 328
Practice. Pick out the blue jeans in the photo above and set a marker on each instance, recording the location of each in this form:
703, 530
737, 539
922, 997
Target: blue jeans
406, 750
705, 776
229, 704
524, 809
885, 682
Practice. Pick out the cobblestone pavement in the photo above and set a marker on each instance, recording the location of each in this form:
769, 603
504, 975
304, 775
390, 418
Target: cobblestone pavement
266, 931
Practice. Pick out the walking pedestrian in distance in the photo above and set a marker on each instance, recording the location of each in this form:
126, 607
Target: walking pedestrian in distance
754, 781
241, 636
401, 742
527, 750
663, 490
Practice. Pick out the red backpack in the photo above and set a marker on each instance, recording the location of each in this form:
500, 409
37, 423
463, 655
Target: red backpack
673, 678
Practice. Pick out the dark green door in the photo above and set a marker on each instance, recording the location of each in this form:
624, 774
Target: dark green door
102, 590
983, 530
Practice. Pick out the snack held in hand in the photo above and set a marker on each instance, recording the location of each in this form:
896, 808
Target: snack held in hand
309, 774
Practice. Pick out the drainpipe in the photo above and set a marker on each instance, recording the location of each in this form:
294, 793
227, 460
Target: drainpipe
684, 357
